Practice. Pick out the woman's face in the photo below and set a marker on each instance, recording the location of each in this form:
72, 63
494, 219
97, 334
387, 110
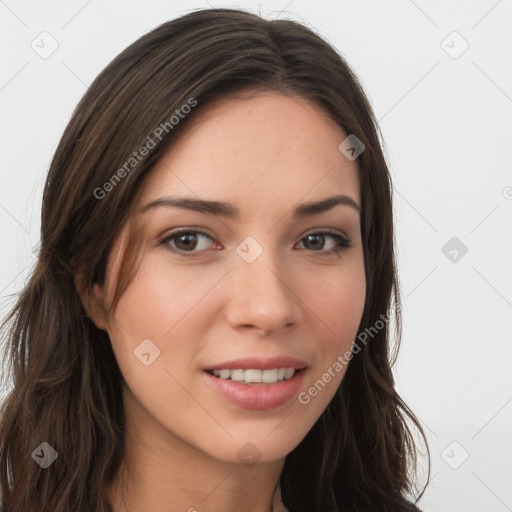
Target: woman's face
253, 280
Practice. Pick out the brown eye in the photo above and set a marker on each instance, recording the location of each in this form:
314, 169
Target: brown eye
314, 241
317, 242
187, 241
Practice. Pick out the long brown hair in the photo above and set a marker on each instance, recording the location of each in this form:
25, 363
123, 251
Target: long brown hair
67, 387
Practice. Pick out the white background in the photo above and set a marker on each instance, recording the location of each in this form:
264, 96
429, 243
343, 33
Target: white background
447, 125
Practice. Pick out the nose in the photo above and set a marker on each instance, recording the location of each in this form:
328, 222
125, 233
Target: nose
262, 296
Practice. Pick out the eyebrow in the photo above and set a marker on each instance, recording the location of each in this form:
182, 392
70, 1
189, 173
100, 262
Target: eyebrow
231, 211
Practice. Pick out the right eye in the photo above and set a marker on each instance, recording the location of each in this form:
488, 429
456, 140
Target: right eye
187, 242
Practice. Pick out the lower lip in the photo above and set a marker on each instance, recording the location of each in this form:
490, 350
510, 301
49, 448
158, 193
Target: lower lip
257, 397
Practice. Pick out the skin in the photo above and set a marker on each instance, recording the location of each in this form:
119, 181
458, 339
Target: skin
264, 152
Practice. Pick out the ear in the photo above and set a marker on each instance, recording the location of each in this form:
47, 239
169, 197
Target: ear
93, 301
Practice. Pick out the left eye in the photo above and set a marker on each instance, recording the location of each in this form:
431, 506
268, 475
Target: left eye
189, 242
318, 239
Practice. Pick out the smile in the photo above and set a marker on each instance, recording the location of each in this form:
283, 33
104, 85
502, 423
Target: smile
255, 376
257, 395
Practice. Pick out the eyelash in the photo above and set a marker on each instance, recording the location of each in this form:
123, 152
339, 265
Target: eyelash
342, 242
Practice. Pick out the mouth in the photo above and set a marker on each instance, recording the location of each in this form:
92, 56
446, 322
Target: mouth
255, 388
256, 376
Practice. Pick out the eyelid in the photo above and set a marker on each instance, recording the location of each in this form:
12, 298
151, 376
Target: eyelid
324, 231
185, 229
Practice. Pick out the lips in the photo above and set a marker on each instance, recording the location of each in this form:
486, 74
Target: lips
257, 383
258, 396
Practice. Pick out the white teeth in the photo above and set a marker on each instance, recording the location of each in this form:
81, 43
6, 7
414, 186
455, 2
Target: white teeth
252, 375
256, 376
224, 374
288, 374
237, 375
269, 375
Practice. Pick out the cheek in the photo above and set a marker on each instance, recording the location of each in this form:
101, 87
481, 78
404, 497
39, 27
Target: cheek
337, 306
166, 306
337, 301
156, 335
160, 297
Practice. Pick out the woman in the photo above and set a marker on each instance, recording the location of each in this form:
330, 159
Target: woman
206, 327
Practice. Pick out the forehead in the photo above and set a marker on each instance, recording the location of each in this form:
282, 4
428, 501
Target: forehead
253, 148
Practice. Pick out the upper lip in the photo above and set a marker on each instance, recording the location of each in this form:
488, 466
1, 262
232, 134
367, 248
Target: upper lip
247, 363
